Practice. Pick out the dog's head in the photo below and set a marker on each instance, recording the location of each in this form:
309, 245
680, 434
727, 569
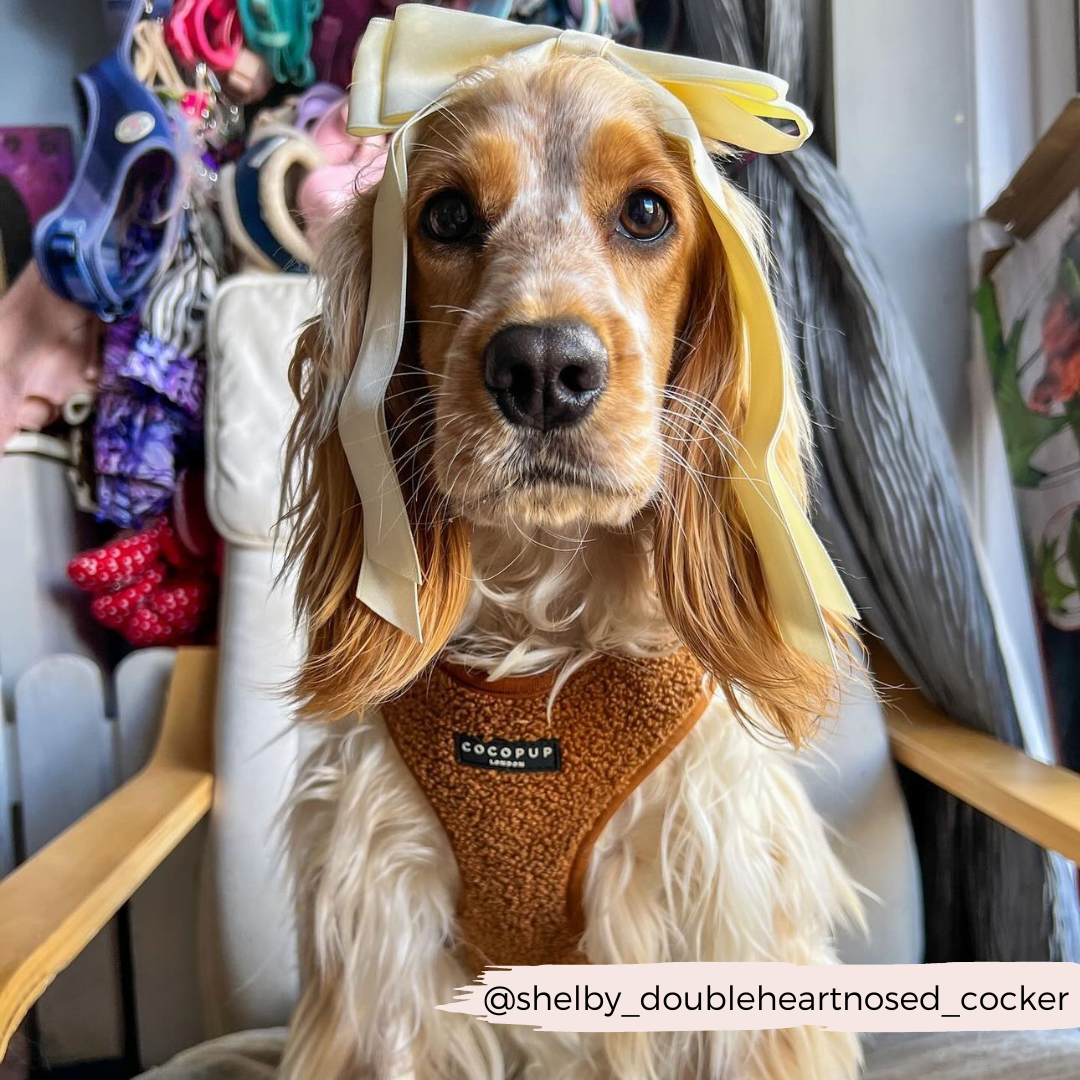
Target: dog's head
573, 356
554, 240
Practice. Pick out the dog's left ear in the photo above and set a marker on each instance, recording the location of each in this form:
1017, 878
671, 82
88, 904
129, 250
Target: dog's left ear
708, 568
354, 658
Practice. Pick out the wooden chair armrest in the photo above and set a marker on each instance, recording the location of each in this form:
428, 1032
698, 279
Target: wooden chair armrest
1042, 802
54, 904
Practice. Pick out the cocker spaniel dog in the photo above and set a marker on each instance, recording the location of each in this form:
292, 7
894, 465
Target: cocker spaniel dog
580, 763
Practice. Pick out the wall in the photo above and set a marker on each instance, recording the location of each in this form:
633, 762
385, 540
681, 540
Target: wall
43, 45
935, 106
1024, 70
904, 144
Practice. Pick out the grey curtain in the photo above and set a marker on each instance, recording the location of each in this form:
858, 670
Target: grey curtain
889, 504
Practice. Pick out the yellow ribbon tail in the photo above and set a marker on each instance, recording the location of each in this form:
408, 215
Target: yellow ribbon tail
393, 596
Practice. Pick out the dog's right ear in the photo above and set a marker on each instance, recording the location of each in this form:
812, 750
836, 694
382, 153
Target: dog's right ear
708, 566
354, 658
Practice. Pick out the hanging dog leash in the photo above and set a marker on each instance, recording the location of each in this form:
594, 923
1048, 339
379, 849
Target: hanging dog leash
409, 68
205, 31
282, 31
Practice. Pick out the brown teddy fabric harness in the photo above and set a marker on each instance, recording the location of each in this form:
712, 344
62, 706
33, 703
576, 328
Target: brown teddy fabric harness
524, 796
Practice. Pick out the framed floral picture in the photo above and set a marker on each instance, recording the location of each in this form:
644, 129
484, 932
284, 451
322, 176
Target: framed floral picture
1029, 311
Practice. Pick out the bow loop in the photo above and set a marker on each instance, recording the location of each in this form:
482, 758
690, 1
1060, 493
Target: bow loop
410, 66
405, 63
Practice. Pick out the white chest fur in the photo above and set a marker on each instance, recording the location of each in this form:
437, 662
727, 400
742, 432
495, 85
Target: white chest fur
718, 855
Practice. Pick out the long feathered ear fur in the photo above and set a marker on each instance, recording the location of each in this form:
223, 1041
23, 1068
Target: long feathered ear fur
709, 575
354, 658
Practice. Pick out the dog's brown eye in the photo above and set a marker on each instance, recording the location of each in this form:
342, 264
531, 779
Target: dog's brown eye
644, 216
449, 217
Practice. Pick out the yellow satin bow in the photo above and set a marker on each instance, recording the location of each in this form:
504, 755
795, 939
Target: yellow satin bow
407, 68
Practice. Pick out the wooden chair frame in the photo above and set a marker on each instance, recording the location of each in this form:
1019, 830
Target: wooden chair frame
54, 904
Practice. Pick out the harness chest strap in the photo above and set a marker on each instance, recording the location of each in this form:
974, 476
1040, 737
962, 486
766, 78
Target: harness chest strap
524, 797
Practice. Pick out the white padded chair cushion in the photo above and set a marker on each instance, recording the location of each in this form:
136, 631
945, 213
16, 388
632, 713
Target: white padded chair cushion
851, 780
248, 940
984, 1055
247, 935
254, 324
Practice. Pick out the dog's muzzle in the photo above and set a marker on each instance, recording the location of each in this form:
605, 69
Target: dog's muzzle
546, 375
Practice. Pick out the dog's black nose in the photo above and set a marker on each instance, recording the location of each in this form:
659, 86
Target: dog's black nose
545, 375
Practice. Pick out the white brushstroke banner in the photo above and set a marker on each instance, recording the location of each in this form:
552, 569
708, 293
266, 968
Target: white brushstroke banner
755, 996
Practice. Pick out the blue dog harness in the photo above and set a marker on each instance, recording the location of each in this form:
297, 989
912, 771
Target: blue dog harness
107, 239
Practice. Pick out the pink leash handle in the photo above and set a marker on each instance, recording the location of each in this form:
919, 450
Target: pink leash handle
205, 31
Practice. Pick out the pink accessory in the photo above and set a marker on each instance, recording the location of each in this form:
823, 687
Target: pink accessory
113, 609
352, 165
172, 614
205, 31
127, 560
38, 162
331, 134
249, 79
155, 586
48, 354
196, 104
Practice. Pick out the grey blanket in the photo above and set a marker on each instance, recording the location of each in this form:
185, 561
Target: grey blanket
890, 506
988, 1055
